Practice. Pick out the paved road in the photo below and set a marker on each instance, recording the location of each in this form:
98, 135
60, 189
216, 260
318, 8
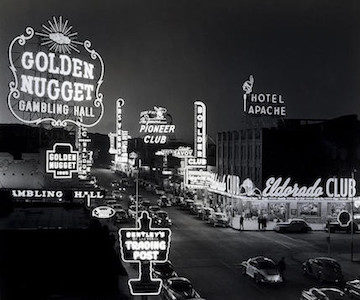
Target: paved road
211, 257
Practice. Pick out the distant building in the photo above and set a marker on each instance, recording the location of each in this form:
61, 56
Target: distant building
301, 149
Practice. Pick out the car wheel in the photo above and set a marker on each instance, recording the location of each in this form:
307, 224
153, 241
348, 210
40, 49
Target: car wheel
257, 278
304, 271
243, 270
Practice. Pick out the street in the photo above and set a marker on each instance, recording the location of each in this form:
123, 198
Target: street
211, 257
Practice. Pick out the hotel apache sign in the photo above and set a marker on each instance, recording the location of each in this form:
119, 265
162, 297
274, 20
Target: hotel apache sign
265, 104
156, 125
56, 77
62, 161
145, 245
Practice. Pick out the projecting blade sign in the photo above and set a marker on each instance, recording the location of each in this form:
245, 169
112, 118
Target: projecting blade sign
145, 245
62, 161
56, 77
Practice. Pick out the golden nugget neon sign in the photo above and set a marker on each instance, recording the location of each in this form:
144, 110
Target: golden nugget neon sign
52, 82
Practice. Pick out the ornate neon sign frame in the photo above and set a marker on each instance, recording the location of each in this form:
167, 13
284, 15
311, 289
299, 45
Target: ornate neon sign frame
14, 92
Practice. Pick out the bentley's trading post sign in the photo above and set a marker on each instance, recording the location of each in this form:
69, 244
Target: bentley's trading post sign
56, 77
145, 245
62, 161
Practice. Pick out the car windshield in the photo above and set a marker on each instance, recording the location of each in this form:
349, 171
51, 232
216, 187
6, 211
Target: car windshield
163, 268
330, 264
162, 215
181, 286
334, 294
266, 265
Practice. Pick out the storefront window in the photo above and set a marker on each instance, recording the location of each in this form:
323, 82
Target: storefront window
334, 208
309, 209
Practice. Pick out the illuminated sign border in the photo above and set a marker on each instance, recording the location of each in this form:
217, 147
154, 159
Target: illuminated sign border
139, 261
53, 150
14, 92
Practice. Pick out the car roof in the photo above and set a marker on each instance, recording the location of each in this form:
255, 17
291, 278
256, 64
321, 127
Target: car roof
325, 259
262, 258
173, 279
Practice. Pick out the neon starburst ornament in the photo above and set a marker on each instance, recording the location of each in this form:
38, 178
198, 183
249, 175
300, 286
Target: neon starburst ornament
57, 35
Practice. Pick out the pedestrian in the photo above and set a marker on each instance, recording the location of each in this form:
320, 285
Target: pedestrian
264, 223
282, 267
259, 222
241, 223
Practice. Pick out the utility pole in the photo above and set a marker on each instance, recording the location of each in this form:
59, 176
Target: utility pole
352, 223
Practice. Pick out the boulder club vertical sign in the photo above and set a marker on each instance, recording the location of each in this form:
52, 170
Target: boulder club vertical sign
145, 245
56, 77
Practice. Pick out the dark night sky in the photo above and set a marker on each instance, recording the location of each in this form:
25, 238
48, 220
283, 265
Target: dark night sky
170, 53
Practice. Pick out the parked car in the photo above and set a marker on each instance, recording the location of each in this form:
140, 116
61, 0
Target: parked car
219, 219
163, 270
179, 288
132, 199
187, 205
292, 225
206, 213
117, 194
262, 270
121, 216
117, 207
324, 269
146, 204
162, 219
164, 201
153, 209
132, 211
110, 201
323, 294
352, 288
335, 226
196, 208
159, 192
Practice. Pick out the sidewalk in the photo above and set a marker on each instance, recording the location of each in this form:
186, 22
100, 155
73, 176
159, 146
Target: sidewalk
252, 224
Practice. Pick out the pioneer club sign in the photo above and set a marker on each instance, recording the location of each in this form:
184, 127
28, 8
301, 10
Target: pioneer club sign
266, 104
156, 125
56, 77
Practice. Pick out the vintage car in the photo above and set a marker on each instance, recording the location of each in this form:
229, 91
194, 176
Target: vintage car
196, 208
335, 226
179, 288
164, 201
206, 213
292, 225
162, 219
352, 288
323, 269
219, 219
262, 270
323, 294
163, 270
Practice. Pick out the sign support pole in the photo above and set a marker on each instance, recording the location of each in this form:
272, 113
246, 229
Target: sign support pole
352, 224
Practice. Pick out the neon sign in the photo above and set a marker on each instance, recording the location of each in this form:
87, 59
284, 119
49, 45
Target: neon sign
145, 245
334, 187
53, 83
200, 129
62, 161
183, 152
262, 104
155, 125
